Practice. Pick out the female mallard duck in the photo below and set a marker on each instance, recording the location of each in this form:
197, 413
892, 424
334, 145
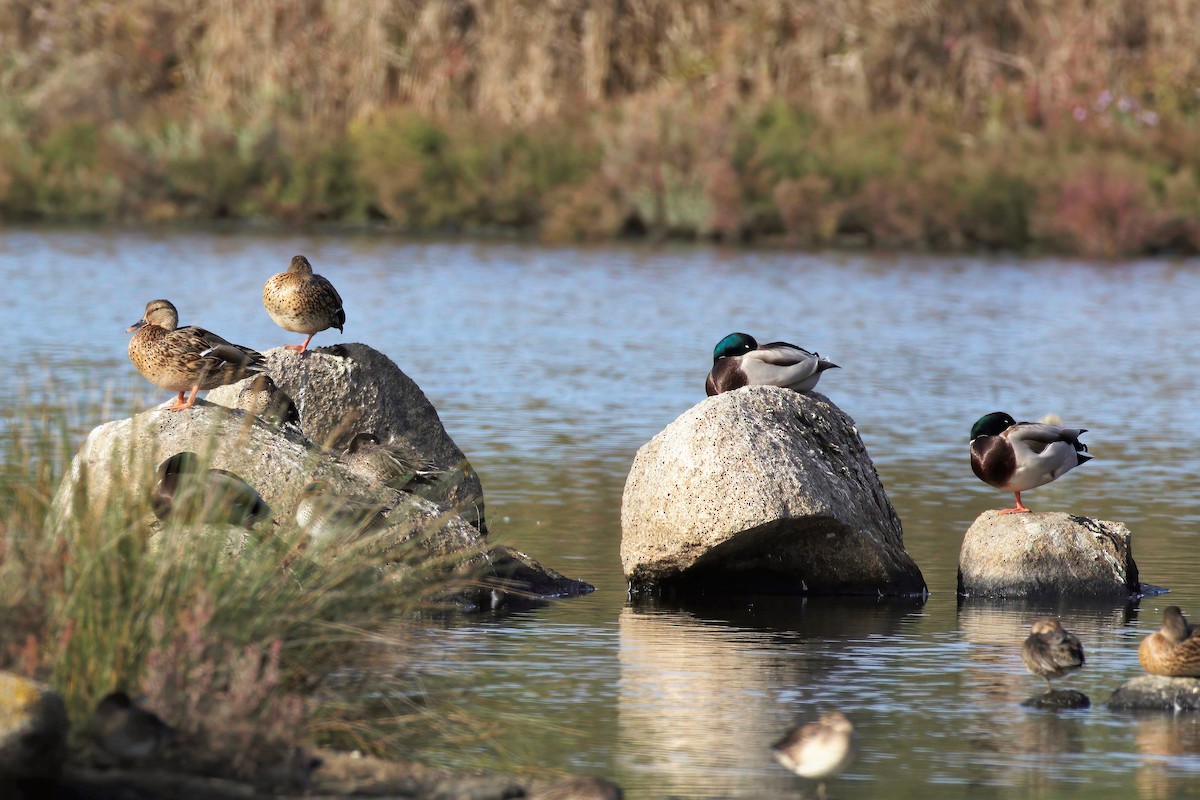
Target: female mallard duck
1174, 649
738, 360
328, 517
1050, 650
186, 358
818, 750
396, 464
212, 495
1017, 456
301, 302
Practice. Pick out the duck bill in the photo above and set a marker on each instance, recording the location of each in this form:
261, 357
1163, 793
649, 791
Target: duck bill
140, 323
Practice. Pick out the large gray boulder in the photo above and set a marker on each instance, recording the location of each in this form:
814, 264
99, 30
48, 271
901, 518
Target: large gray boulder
766, 490
1046, 555
33, 729
1156, 692
347, 389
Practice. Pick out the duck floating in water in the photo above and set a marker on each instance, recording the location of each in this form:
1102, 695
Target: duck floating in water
208, 496
1050, 650
1018, 456
1174, 649
739, 360
818, 750
186, 358
301, 302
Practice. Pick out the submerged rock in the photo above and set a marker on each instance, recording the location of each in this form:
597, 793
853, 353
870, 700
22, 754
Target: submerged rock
765, 490
33, 729
1046, 555
1156, 692
1058, 699
347, 389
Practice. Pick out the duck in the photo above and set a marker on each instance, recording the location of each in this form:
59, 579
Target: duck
186, 358
1018, 456
222, 497
397, 464
127, 732
1050, 650
739, 360
818, 750
328, 517
1172, 650
301, 302
265, 400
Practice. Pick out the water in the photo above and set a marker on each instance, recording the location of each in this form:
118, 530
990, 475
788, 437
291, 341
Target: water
551, 366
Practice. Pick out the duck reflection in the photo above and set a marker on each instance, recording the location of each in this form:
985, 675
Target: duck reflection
1161, 739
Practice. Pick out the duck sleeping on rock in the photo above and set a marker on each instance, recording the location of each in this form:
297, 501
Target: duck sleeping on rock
1018, 456
1174, 649
1051, 650
739, 360
186, 358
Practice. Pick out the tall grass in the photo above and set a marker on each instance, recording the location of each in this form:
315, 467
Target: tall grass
920, 124
231, 648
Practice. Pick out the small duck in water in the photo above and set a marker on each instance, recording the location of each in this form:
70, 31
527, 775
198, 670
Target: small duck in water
818, 750
1050, 650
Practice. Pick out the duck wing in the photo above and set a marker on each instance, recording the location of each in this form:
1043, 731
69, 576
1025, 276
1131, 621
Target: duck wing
1037, 436
783, 364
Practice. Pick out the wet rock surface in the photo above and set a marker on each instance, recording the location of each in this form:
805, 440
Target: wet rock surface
1156, 692
762, 490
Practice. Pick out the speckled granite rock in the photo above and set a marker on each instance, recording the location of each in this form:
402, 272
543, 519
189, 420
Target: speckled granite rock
346, 389
762, 489
1046, 555
1155, 692
33, 729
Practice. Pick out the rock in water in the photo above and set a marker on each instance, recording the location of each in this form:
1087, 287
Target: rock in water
1156, 692
348, 389
1046, 555
762, 490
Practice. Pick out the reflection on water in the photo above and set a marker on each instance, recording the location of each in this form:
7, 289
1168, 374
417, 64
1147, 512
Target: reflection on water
550, 367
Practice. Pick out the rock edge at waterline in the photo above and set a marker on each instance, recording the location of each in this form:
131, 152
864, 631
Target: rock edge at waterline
1047, 555
762, 490
1156, 693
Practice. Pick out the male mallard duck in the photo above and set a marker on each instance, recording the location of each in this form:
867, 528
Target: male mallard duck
1050, 650
127, 732
1017, 456
738, 360
301, 302
818, 750
214, 495
1172, 650
186, 358
327, 517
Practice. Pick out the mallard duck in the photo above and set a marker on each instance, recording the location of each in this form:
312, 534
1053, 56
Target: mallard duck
269, 403
396, 464
1050, 650
818, 750
127, 732
211, 496
1174, 649
186, 358
328, 517
739, 360
301, 302
1018, 456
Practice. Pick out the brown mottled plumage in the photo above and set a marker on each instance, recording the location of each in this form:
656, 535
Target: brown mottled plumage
1050, 650
186, 358
302, 302
269, 403
1174, 649
818, 750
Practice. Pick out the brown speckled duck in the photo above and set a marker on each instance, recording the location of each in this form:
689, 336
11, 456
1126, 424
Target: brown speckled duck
1051, 650
302, 302
186, 358
818, 750
214, 495
1174, 649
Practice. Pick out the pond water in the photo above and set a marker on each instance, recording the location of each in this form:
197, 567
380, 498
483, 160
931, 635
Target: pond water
551, 366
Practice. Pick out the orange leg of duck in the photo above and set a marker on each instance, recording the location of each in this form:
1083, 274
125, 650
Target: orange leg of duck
300, 348
180, 405
1020, 509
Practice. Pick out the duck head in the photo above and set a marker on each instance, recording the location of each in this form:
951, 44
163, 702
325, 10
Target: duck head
735, 344
161, 313
992, 424
1175, 626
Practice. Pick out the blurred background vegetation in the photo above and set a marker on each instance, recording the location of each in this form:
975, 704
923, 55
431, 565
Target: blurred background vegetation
1044, 125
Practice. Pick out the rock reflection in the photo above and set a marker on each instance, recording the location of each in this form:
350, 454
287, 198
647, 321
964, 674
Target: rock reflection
1161, 740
